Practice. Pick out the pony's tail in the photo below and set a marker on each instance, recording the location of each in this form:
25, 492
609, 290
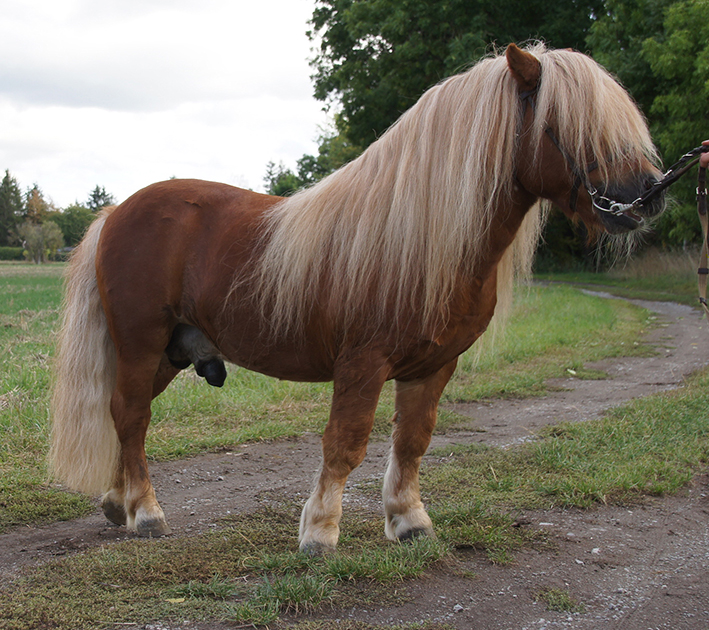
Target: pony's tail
85, 450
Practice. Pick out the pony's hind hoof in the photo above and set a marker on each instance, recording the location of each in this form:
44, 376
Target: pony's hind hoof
153, 528
114, 512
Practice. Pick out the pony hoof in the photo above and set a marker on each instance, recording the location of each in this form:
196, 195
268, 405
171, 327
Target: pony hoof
153, 528
114, 512
416, 532
213, 371
316, 549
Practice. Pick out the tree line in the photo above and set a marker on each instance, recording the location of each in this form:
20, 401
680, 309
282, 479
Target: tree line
376, 57
31, 223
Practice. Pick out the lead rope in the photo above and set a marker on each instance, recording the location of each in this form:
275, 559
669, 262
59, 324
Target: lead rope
703, 270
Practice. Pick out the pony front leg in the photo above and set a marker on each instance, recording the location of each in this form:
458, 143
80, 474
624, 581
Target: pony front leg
344, 443
414, 421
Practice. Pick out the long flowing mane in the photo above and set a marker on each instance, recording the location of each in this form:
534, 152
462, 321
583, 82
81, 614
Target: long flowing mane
403, 223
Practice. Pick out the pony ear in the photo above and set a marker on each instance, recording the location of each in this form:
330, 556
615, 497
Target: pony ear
524, 67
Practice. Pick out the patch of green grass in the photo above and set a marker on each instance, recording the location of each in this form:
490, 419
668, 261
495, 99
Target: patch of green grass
652, 446
661, 289
652, 275
177, 579
28, 313
552, 333
216, 588
25, 502
559, 600
469, 524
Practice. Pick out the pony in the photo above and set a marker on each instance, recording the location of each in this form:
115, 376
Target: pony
389, 268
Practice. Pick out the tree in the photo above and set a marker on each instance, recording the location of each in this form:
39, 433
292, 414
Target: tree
376, 57
334, 151
11, 207
616, 41
36, 206
280, 180
680, 114
40, 240
73, 222
99, 199
660, 50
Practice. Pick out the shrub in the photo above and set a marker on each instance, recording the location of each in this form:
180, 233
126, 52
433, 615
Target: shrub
11, 253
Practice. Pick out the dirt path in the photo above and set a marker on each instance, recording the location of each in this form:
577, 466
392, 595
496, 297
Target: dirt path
633, 569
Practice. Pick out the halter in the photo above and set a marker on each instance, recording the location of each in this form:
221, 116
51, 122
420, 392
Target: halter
618, 208
600, 202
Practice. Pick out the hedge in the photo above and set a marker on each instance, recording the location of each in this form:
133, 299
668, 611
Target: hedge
11, 253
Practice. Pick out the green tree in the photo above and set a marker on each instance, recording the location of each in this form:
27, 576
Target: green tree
660, 51
99, 198
334, 151
376, 57
679, 57
11, 207
280, 181
40, 240
616, 41
73, 222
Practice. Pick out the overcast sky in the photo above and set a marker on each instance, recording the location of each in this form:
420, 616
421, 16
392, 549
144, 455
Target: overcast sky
122, 93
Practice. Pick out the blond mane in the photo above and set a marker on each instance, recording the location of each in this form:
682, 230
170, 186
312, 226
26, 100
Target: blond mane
400, 225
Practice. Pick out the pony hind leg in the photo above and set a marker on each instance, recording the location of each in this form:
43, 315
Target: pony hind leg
414, 421
131, 500
344, 443
113, 501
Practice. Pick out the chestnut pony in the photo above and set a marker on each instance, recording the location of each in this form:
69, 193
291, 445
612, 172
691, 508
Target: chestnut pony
387, 269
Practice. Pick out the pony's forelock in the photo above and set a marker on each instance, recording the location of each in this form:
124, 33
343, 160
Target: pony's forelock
592, 115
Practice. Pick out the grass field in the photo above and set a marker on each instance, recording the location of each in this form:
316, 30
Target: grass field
652, 446
653, 275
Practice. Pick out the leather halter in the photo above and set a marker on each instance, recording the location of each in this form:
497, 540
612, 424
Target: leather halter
603, 204
600, 202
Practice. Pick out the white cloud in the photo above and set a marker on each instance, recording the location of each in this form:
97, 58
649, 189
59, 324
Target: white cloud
120, 93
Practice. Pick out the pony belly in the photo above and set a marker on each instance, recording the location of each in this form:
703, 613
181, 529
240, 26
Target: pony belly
305, 363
